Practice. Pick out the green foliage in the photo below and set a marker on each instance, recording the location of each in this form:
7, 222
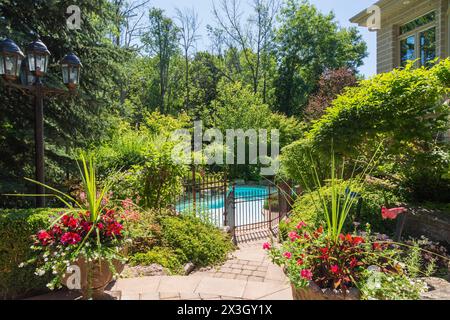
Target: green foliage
373, 197
404, 107
310, 42
16, 228
172, 260
201, 243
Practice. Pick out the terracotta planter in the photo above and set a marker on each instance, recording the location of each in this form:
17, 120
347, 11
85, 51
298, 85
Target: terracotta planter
101, 276
313, 292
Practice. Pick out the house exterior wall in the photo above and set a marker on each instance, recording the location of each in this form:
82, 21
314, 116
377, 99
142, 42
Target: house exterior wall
388, 44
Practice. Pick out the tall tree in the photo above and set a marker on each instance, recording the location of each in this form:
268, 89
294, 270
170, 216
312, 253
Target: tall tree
310, 42
161, 41
74, 122
189, 25
251, 38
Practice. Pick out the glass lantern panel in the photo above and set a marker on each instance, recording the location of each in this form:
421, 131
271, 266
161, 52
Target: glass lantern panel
2, 66
31, 62
40, 63
65, 73
74, 75
10, 65
19, 63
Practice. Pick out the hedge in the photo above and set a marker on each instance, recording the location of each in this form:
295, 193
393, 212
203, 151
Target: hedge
16, 228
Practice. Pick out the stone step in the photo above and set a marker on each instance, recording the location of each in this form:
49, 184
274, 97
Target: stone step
183, 287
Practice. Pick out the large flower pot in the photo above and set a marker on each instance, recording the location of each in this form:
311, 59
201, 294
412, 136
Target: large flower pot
93, 277
313, 292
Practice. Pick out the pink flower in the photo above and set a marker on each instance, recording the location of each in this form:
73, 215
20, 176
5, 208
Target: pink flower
306, 274
287, 255
334, 269
70, 238
127, 203
392, 214
293, 236
300, 225
266, 246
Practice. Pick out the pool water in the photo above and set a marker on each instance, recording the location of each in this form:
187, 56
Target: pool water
248, 193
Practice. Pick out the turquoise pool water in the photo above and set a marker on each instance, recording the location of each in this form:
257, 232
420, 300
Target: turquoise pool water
215, 202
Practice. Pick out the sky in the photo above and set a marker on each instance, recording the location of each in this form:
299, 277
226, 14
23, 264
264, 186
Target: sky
343, 9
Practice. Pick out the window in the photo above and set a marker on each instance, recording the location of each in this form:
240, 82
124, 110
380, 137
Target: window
418, 40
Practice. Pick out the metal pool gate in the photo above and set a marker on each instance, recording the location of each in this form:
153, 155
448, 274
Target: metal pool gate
249, 211
253, 212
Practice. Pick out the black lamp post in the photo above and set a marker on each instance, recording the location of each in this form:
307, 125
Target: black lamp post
33, 68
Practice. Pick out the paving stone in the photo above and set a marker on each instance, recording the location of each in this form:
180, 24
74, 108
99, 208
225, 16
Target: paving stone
236, 266
230, 298
225, 270
130, 296
243, 262
258, 290
236, 271
221, 287
285, 294
189, 296
228, 276
259, 274
169, 296
247, 272
242, 277
209, 296
137, 285
264, 269
274, 273
254, 263
253, 268
149, 296
179, 284
217, 275
257, 279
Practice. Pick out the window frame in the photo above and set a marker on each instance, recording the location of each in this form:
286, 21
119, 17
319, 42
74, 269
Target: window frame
416, 33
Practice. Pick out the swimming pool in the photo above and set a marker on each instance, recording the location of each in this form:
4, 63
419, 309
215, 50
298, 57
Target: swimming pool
249, 205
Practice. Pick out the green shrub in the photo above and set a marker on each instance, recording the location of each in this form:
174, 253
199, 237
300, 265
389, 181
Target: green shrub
172, 260
201, 243
16, 229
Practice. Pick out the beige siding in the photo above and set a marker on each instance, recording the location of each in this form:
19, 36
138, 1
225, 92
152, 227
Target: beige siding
388, 52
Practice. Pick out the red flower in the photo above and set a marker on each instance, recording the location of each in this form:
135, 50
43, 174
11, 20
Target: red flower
70, 238
100, 226
341, 237
376, 246
334, 269
300, 225
114, 228
299, 262
287, 255
56, 230
357, 240
307, 237
348, 238
324, 252
44, 237
86, 226
306, 274
353, 262
69, 221
266, 246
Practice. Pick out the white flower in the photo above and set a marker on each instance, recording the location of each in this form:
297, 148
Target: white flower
22, 265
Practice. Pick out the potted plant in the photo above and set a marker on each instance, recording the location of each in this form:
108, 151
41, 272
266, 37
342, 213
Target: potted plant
321, 262
84, 248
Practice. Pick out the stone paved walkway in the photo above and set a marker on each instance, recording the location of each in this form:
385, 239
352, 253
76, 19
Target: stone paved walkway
247, 275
